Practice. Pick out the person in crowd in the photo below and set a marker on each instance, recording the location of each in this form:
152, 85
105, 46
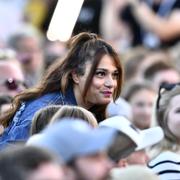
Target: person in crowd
75, 112
82, 148
153, 23
29, 163
160, 72
12, 80
112, 28
141, 97
132, 61
28, 43
130, 145
51, 114
135, 172
165, 156
42, 118
90, 76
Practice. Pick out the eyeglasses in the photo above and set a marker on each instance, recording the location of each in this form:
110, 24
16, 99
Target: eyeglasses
165, 87
13, 84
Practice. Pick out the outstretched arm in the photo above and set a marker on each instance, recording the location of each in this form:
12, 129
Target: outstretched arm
166, 28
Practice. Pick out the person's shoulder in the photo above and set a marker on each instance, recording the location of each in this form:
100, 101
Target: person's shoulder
45, 98
164, 157
166, 165
40, 102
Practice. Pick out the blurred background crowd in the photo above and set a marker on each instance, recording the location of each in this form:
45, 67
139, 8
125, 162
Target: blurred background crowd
146, 36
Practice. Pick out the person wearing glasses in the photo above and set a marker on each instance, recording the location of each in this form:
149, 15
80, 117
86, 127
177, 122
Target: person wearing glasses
11, 74
165, 156
90, 76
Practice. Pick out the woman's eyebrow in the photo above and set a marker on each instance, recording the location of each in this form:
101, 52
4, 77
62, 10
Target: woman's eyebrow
116, 70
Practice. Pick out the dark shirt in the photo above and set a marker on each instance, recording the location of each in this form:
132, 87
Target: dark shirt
89, 17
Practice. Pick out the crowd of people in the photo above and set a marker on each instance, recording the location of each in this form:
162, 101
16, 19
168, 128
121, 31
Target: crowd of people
105, 105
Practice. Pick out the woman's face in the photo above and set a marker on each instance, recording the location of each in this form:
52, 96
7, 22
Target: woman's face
142, 103
103, 84
174, 116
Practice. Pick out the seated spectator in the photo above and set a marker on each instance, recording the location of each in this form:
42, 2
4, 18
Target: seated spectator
136, 140
82, 148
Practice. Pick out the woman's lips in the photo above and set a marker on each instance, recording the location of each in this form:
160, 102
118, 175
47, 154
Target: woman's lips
107, 93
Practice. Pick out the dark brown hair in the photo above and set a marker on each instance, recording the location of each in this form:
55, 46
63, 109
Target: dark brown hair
84, 47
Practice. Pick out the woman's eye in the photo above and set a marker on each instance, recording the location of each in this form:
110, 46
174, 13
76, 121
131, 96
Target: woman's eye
100, 74
115, 75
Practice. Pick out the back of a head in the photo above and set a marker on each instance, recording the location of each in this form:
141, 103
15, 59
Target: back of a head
42, 118
21, 161
132, 60
87, 141
133, 173
75, 112
130, 138
133, 87
27, 31
150, 72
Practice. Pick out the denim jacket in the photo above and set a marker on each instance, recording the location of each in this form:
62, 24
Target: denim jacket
18, 130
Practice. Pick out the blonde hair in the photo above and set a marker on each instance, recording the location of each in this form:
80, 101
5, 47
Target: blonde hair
134, 172
160, 118
75, 112
42, 118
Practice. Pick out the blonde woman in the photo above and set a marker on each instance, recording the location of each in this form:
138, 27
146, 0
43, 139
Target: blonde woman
165, 155
75, 112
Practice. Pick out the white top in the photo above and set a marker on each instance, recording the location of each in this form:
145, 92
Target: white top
166, 165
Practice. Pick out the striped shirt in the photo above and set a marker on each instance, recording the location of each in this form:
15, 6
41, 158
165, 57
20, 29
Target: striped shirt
166, 165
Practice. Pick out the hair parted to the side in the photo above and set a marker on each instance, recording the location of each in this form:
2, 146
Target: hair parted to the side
42, 118
84, 47
170, 141
75, 112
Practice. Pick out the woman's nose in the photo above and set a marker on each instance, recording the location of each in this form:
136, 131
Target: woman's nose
109, 81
